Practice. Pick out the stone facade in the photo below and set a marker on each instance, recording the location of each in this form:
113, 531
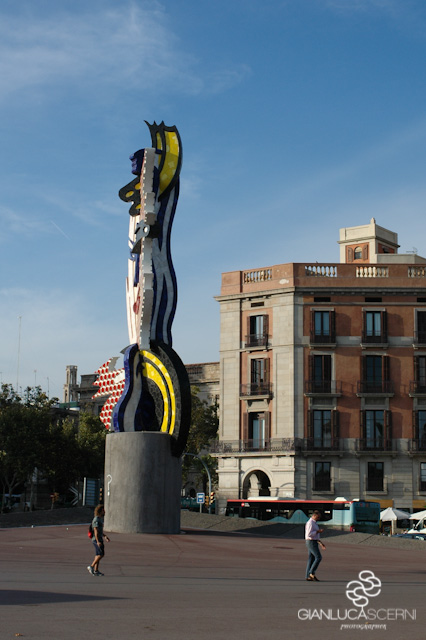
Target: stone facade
323, 376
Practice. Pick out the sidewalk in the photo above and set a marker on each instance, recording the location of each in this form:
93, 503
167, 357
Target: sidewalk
196, 585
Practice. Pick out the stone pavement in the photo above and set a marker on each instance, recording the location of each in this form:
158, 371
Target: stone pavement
198, 585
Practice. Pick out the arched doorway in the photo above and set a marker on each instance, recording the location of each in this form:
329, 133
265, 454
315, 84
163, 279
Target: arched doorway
255, 484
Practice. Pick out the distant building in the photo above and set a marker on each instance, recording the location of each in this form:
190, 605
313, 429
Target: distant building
205, 377
323, 376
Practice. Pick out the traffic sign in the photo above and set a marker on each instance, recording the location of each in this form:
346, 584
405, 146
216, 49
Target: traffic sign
200, 498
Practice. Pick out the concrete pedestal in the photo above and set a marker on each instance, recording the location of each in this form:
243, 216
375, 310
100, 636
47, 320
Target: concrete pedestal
142, 483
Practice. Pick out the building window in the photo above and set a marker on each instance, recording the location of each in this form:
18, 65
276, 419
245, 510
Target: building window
422, 486
375, 476
256, 430
323, 327
357, 253
375, 375
322, 476
376, 429
421, 327
322, 429
257, 331
374, 327
259, 373
320, 373
420, 374
420, 429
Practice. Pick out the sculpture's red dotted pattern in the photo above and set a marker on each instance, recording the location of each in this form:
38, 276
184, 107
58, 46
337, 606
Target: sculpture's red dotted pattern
111, 384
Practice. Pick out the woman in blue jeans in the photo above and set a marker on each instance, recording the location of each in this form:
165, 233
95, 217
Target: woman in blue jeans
313, 542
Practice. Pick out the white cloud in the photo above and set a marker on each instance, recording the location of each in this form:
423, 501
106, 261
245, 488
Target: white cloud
128, 47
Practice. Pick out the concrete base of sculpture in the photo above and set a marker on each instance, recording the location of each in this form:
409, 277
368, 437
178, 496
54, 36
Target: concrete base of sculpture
142, 483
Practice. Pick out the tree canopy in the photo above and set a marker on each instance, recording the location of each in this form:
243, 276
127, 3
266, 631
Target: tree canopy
36, 435
204, 427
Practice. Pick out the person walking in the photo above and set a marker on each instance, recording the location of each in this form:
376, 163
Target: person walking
98, 540
313, 542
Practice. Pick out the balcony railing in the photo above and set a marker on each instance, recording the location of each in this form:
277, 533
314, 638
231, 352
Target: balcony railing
323, 387
420, 337
417, 444
323, 338
322, 444
256, 389
242, 446
417, 388
256, 340
367, 338
373, 387
374, 444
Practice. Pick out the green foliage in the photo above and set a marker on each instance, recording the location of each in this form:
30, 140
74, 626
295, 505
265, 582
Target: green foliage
35, 435
204, 427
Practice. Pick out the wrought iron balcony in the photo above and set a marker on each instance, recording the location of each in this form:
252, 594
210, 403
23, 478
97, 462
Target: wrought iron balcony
420, 338
323, 338
256, 389
417, 388
374, 444
367, 338
325, 443
257, 444
417, 444
375, 387
323, 387
256, 340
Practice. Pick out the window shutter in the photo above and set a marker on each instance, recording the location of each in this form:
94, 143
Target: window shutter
384, 319
365, 252
267, 370
311, 367
267, 416
245, 426
362, 425
312, 325
310, 424
415, 425
416, 368
350, 254
265, 326
364, 324
385, 369
388, 426
327, 368
335, 424
332, 326
364, 368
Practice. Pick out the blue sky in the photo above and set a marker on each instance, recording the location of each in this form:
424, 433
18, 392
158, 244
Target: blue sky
297, 117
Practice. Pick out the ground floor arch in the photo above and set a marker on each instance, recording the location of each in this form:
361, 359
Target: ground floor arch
256, 483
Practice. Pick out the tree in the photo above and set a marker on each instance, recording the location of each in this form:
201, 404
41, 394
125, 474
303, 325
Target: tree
91, 443
36, 435
204, 427
23, 423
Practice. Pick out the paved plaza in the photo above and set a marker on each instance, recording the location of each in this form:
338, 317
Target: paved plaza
200, 584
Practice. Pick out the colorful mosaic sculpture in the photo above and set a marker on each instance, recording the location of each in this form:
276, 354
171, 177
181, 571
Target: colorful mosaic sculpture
156, 394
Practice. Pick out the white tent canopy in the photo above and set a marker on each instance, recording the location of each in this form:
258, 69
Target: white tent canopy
394, 514
418, 516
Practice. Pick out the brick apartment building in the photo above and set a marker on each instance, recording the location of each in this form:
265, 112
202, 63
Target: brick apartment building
323, 376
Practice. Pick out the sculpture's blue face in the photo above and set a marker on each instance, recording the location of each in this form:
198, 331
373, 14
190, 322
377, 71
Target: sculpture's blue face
136, 160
